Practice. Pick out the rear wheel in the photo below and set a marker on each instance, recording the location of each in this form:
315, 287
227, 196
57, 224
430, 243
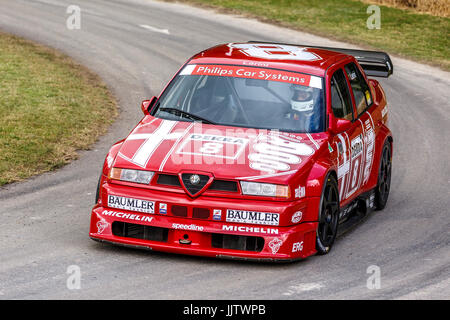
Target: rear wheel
328, 216
384, 177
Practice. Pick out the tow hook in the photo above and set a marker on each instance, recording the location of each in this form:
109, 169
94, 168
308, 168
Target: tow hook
185, 240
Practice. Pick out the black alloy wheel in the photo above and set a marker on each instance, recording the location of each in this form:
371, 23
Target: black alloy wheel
384, 177
328, 217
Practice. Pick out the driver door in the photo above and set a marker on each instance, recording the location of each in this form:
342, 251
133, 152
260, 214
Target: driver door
349, 144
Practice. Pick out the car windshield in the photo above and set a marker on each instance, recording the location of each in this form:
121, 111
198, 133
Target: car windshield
246, 97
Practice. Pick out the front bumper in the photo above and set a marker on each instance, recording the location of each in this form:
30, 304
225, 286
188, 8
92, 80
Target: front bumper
206, 237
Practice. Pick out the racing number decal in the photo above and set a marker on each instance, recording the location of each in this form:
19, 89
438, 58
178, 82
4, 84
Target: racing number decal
344, 167
359, 164
277, 52
355, 174
356, 148
211, 148
369, 142
210, 145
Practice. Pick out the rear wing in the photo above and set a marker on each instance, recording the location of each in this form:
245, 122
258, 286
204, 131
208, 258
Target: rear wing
374, 63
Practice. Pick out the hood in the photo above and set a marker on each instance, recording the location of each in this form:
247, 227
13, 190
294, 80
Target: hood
225, 152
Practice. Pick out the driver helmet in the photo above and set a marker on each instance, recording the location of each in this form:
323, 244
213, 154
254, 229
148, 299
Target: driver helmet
302, 99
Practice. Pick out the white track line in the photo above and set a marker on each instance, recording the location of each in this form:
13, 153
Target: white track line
154, 29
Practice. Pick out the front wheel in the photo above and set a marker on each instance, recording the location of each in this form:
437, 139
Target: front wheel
328, 216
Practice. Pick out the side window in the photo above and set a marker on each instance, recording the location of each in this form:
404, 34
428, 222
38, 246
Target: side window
361, 91
341, 103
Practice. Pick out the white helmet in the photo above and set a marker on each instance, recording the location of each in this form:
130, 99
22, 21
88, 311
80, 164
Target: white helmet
302, 99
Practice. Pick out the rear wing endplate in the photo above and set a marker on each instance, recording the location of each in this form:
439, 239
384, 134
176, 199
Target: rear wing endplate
374, 63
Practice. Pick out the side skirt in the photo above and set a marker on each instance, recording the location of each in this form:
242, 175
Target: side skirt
356, 211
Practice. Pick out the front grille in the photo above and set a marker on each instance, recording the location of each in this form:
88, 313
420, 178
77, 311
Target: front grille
137, 231
193, 189
217, 185
224, 185
168, 180
243, 243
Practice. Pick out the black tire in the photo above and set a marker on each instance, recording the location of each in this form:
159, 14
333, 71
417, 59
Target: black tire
384, 177
328, 216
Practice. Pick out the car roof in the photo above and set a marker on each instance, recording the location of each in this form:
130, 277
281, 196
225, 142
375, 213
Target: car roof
242, 54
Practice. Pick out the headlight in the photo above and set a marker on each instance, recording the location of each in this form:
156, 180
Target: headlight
136, 176
264, 189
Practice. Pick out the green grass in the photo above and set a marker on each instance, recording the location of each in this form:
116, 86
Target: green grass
50, 107
422, 37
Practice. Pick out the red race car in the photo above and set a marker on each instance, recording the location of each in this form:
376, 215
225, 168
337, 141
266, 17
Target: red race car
253, 151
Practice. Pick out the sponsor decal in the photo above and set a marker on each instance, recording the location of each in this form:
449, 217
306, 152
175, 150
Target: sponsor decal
272, 153
275, 245
250, 229
346, 211
250, 73
101, 226
128, 216
163, 208
357, 146
131, 204
297, 247
190, 227
340, 148
297, 217
300, 192
253, 217
217, 214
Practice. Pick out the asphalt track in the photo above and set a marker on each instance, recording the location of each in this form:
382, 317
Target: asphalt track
136, 46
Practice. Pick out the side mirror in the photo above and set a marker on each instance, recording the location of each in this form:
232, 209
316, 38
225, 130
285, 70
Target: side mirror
339, 125
147, 105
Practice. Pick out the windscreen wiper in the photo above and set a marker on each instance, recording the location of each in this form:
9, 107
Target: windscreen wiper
191, 116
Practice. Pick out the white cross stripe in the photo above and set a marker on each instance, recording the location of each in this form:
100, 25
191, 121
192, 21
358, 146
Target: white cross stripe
152, 141
179, 137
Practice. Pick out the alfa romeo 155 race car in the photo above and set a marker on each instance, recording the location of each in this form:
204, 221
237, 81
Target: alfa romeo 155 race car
252, 151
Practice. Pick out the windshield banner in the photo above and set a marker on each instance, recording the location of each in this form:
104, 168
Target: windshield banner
253, 73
